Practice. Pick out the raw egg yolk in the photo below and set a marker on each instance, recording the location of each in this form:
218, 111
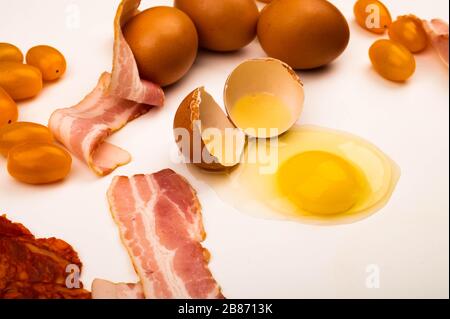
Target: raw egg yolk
257, 114
321, 183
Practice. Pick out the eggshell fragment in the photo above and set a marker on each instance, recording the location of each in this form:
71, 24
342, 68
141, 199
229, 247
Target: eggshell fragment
437, 31
266, 75
204, 133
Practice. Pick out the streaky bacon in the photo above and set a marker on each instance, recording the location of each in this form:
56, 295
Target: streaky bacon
437, 30
118, 98
84, 127
125, 80
160, 223
103, 289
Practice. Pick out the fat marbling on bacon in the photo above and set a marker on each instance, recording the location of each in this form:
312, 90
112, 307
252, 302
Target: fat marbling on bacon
104, 289
118, 98
160, 223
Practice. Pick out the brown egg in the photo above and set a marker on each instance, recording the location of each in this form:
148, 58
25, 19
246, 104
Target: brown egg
225, 25
164, 43
305, 34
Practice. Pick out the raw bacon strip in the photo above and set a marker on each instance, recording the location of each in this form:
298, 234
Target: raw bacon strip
84, 127
118, 98
125, 80
160, 223
438, 33
103, 289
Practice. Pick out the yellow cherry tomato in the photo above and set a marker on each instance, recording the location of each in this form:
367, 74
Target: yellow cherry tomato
19, 80
409, 31
9, 52
392, 60
39, 163
372, 15
22, 132
8, 109
47, 59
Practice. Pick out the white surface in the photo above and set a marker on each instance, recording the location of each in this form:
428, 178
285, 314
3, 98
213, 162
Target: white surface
408, 240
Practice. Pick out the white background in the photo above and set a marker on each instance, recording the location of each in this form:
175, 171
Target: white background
408, 240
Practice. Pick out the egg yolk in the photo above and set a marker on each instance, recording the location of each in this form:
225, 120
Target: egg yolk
261, 115
321, 183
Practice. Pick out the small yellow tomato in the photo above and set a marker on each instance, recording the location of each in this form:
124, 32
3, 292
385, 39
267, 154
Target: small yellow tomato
19, 80
8, 109
39, 163
392, 60
22, 132
9, 52
409, 31
48, 60
372, 15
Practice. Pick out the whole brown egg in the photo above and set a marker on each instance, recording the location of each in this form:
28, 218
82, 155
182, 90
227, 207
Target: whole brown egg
164, 42
305, 34
222, 25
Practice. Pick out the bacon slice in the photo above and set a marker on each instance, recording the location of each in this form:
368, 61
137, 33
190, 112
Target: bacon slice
125, 80
35, 268
103, 289
84, 127
438, 34
118, 98
160, 223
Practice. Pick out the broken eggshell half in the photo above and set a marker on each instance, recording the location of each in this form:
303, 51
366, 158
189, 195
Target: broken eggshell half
266, 76
205, 135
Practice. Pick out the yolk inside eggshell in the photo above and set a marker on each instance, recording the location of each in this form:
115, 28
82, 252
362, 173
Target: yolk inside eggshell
259, 113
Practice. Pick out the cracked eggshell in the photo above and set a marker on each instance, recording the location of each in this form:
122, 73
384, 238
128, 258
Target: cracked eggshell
198, 116
266, 75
